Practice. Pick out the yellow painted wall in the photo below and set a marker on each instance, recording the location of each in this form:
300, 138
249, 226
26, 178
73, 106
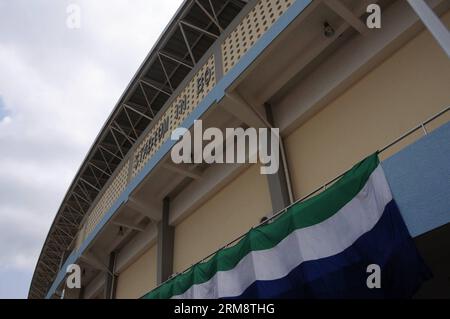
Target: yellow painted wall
230, 213
138, 278
407, 88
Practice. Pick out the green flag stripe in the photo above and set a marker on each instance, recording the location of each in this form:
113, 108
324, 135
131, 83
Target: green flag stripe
300, 215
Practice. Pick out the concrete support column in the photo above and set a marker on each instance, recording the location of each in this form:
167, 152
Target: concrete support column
64, 292
72, 293
165, 245
111, 277
278, 183
218, 67
433, 23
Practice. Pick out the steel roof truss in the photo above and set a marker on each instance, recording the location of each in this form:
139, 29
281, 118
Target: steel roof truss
146, 99
165, 71
128, 106
186, 42
213, 19
194, 27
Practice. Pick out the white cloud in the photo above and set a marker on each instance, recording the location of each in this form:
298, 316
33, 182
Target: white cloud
6, 120
57, 87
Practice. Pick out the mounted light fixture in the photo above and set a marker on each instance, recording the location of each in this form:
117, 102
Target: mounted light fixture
328, 30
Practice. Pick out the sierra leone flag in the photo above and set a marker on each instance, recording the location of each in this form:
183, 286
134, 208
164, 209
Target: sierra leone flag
324, 247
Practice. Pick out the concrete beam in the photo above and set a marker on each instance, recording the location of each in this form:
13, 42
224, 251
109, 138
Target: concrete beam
119, 239
235, 105
138, 245
94, 261
182, 170
127, 224
95, 286
345, 13
72, 293
150, 210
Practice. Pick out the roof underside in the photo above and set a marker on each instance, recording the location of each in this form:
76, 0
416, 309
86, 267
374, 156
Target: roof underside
191, 32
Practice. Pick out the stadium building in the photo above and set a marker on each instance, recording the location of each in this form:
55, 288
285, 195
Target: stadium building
337, 87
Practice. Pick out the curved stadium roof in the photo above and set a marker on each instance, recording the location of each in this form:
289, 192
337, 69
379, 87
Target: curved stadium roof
192, 30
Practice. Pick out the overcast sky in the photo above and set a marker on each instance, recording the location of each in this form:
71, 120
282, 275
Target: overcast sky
57, 87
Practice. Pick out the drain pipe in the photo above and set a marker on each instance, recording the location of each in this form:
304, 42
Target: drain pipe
287, 179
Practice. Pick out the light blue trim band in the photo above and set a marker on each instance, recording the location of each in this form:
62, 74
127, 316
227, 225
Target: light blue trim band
419, 177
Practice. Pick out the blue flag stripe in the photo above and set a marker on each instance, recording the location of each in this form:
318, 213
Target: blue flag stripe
344, 275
